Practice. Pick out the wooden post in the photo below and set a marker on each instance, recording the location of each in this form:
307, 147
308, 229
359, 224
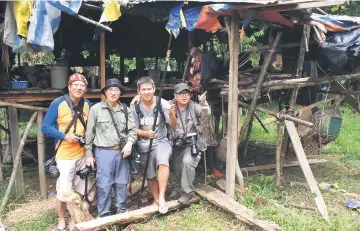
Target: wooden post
280, 131
262, 74
41, 157
232, 147
285, 139
2, 178
307, 172
102, 62
17, 162
122, 69
15, 143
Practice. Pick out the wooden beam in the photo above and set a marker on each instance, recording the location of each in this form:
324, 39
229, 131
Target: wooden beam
301, 82
286, 165
257, 91
41, 156
232, 131
15, 143
23, 106
102, 62
129, 217
239, 211
307, 172
306, 5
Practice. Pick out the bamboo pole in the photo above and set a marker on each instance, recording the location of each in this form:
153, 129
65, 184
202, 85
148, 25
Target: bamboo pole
265, 65
102, 62
87, 20
41, 157
16, 163
232, 25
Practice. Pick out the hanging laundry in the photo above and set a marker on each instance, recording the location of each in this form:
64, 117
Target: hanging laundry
111, 11
70, 7
44, 22
22, 9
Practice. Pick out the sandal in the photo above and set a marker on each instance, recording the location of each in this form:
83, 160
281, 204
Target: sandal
63, 229
162, 208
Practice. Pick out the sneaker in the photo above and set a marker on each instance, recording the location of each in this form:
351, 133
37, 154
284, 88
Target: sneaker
217, 173
185, 197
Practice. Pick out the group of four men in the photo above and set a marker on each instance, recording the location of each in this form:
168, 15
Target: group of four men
111, 129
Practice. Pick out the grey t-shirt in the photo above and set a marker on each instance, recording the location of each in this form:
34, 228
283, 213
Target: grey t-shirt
144, 121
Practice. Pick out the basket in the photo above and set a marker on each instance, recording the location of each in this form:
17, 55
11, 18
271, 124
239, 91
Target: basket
19, 84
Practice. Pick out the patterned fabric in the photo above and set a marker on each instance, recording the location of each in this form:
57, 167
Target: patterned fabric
195, 69
77, 77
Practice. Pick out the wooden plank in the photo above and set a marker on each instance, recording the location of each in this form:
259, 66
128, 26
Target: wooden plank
102, 62
15, 143
222, 184
232, 131
129, 217
241, 212
301, 156
41, 156
273, 166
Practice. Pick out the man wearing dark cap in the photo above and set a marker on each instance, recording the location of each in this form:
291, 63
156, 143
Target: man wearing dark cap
66, 120
111, 130
189, 126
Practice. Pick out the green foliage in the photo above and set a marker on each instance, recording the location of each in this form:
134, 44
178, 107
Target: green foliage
352, 9
251, 41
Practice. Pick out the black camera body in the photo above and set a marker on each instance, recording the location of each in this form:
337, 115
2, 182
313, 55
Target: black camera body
183, 141
83, 173
81, 139
50, 167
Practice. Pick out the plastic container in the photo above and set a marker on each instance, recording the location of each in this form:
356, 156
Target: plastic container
58, 76
19, 84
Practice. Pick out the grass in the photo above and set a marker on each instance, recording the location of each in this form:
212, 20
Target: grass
202, 216
343, 171
40, 223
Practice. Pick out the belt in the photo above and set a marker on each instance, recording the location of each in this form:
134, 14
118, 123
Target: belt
113, 148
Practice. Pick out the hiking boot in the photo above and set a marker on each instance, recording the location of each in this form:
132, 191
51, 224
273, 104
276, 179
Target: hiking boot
217, 173
185, 197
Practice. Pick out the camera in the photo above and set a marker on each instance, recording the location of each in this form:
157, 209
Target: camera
180, 142
50, 167
192, 137
82, 173
81, 139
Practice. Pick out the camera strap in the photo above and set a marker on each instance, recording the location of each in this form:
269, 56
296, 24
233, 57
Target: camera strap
115, 124
185, 119
77, 112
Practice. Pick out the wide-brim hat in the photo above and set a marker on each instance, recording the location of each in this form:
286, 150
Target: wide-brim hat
73, 78
113, 83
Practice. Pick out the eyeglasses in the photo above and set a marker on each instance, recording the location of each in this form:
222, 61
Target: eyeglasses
184, 93
116, 91
78, 85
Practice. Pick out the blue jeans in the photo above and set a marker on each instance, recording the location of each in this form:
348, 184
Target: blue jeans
112, 172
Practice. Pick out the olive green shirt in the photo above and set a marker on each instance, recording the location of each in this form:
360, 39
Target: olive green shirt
100, 128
